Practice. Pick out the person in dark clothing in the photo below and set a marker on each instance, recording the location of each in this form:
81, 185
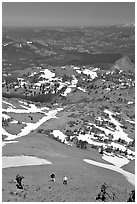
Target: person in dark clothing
19, 180
52, 176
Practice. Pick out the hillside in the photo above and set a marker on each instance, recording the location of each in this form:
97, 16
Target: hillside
70, 112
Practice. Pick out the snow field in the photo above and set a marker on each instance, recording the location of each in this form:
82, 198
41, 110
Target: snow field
130, 177
22, 160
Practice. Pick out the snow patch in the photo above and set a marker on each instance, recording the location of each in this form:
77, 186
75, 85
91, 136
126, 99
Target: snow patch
76, 68
22, 160
31, 126
81, 89
78, 71
47, 74
8, 142
32, 74
130, 102
91, 73
68, 90
9, 104
119, 133
5, 116
115, 160
31, 109
61, 136
130, 177
88, 139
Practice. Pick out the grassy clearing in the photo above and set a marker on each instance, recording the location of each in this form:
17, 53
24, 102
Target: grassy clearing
84, 180
14, 128
27, 117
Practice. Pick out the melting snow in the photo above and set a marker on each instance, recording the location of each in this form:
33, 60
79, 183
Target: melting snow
130, 177
14, 121
73, 82
4, 132
5, 116
23, 102
60, 135
91, 73
8, 142
29, 42
76, 68
32, 74
41, 82
130, 102
88, 139
9, 104
119, 133
31, 109
47, 74
68, 90
95, 69
22, 160
107, 131
31, 126
115, 160
81, 89
78, 71
61, 86
72, 85
133, 122
116, 145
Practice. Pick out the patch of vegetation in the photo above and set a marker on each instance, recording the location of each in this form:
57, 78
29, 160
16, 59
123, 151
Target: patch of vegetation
131, 196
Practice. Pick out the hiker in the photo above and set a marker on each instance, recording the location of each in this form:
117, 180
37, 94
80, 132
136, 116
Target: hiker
52, 177
65, 180
18, 180
103, 193
31, 117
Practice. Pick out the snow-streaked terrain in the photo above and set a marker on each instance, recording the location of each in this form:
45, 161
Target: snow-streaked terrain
115, 160
133, 122
15, 161
81, 89
26, 109
119, 133
88, 139
8, 104
130, 102
8, 142
70, 86
68, 90
5, 116
47, 74
92, 74
61, 136
130, 177
30, 126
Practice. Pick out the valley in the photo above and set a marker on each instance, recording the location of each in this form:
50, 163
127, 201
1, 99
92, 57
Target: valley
68, 107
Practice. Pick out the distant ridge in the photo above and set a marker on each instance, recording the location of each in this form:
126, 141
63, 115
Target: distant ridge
132, 24
124, 64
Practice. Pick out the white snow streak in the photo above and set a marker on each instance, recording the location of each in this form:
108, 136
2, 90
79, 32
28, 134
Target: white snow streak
22, 160
130, 177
